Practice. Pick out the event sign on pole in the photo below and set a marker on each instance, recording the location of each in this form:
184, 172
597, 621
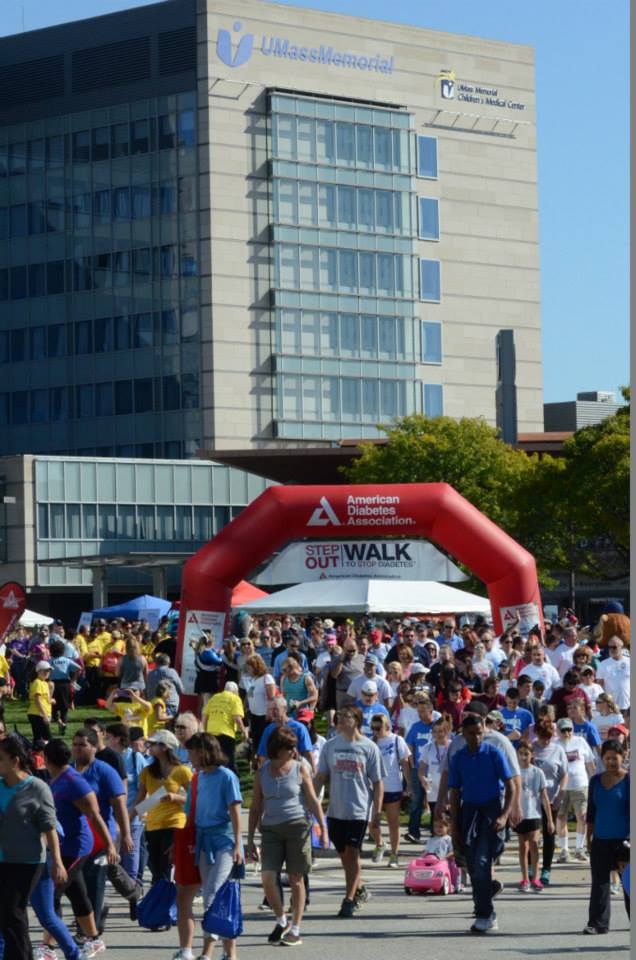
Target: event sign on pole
383, 559
12, 606
197, 623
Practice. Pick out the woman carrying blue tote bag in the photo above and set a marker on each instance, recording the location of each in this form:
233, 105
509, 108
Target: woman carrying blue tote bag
217, 819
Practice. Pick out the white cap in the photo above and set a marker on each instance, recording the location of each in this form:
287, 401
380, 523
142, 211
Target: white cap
42, 665
418, 668
369, 686
165, 737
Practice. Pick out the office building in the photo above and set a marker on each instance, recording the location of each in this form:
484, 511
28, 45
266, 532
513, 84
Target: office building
79, 532
249, 225
590, 407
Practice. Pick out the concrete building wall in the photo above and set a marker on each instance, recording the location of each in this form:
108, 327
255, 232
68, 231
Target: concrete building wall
486, 186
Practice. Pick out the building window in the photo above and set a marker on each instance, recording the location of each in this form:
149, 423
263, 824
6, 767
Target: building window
429, 219
431, 342
427, 157
81, 147
430, 280
433, 400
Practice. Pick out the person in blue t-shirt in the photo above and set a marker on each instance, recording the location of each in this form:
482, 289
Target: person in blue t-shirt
582, 726
517, 720
111, 798
476, 775
277, 714
369, 705
217, 818
76, 805
607, 829
418, 737
63, 672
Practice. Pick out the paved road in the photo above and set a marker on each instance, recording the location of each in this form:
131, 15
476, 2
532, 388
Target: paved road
392, 925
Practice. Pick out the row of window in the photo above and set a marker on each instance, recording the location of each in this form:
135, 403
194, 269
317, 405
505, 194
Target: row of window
130, 521
99, 272
342, 207
103, 206
161, 328
350, 335
313, 333
164, 450
88, 400
345, 399
364, 146
166, 132
328, 269
339, 110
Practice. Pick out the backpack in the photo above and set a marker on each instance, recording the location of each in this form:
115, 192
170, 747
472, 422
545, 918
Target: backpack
159, 907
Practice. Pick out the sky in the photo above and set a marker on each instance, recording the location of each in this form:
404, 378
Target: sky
582, 78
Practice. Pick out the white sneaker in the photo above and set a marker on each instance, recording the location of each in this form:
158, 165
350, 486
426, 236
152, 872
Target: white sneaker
44, 952
92, 947
564, 856
378, 855
581, 855
484, 924
183, 954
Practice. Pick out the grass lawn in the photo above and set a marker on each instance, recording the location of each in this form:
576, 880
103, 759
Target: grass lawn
15, 715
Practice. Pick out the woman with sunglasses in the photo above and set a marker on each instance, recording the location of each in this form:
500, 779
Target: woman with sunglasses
397, 763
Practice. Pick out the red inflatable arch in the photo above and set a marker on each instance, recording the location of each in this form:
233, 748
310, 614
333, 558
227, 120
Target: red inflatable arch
280, 514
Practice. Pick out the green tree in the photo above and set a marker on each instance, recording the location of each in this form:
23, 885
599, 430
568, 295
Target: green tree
467, 454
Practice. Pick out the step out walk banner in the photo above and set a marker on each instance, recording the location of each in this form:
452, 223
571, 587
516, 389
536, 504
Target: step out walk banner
380, 559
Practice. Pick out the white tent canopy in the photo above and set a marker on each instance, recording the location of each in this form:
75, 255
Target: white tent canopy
32, 619
370, 596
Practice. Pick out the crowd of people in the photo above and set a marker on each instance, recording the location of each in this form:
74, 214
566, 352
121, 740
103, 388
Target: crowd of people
491, 734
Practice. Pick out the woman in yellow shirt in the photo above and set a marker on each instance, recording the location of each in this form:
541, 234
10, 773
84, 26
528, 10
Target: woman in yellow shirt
167, 771
40, 703
159, 715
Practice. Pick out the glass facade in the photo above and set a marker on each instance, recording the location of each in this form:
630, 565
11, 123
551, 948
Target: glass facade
99, 277
85, 507
345, 275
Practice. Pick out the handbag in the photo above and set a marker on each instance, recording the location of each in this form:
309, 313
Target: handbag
224, 916
159, 907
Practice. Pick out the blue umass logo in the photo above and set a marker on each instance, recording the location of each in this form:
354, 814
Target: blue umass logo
243, 52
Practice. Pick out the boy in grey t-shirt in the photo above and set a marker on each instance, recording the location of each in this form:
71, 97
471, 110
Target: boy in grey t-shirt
354, 768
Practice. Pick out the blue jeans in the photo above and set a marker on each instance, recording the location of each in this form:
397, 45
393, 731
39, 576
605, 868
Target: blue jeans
418, 797
130, 861
42, 903
482, 845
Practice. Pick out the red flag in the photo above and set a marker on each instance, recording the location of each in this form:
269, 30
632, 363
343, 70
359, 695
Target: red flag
12, 604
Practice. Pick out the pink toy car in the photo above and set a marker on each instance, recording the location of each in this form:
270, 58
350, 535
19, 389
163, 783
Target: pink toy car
427, 874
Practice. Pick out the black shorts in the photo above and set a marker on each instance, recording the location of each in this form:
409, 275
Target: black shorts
527, 826
346, 833
392, 797
207, 681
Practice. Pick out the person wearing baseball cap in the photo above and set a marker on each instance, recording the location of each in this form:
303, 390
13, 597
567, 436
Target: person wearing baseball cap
168, 774
581, 766
40, 703
369, 705
383, 688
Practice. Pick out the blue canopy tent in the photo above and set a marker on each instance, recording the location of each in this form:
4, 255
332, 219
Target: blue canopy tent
135, 609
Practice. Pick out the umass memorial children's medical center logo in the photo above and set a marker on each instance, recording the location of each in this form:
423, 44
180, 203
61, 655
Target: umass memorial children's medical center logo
234, 49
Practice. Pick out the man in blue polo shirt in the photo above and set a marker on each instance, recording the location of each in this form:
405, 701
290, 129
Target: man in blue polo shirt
277, 713
476, 775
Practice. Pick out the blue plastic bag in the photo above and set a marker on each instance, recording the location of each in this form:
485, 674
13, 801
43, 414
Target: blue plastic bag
159, 907
224, 916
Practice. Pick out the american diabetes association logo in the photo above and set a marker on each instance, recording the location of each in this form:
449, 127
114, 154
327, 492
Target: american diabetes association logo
376, 510
447, 84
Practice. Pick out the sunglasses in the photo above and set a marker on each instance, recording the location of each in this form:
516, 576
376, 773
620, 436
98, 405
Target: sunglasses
376, 726
609, 648
180, 726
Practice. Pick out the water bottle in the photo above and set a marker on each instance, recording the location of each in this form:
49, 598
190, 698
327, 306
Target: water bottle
101, 861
